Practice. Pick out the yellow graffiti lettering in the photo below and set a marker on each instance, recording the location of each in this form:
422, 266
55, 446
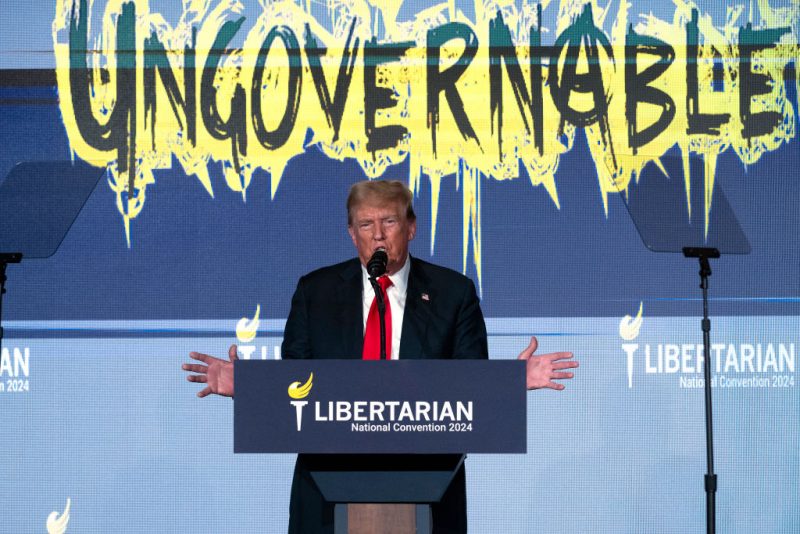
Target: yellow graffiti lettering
477, 98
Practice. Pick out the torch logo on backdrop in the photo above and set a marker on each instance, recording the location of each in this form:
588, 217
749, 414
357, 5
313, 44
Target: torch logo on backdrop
748, 364
298, 392
247, 328
629, 330
246, 332
57, 524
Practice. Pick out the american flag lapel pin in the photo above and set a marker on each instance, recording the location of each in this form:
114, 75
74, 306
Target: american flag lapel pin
426, 297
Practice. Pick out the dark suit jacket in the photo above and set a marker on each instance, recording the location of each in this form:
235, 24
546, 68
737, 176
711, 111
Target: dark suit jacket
442, 319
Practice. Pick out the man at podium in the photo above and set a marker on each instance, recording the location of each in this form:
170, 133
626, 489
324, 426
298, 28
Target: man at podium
431, 312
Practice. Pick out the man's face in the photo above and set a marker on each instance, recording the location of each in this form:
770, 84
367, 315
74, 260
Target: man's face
382, 225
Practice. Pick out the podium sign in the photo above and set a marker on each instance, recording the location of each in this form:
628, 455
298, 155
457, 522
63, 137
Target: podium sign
379, 407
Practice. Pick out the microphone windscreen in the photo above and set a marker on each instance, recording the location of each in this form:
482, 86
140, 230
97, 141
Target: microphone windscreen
376, 266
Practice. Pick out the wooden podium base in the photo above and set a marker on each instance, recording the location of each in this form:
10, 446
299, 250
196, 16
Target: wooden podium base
382, 519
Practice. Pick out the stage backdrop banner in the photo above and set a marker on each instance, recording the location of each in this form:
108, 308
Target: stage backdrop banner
228, 135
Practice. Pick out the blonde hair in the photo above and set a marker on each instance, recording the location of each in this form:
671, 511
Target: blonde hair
379, 192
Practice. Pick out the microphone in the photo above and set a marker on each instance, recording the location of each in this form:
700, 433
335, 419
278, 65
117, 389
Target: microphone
376, 266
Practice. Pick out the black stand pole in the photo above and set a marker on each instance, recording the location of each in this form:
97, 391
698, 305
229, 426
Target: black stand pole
703, 255
5, 259
381, 313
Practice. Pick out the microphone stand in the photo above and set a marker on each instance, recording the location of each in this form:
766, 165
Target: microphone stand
381, 313
703, 254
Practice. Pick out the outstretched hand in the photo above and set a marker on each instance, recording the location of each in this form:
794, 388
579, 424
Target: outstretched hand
541, 370
217, 374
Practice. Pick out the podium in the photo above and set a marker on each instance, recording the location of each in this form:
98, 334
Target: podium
382, 440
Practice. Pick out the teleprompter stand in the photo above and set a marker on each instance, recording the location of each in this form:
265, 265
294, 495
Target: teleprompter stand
5, 259
658, 207
39, 201
703, 254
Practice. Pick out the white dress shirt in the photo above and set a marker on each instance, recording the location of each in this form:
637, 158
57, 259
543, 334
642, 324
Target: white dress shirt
396, 294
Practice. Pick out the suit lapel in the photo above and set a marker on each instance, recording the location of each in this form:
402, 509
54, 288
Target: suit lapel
348, 302
417, 314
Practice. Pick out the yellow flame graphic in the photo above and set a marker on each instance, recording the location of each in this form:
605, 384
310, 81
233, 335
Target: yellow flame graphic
58, 524
246, 328
629, 327
297, 391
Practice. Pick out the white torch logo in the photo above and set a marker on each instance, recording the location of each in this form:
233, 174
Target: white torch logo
628, 331
297, 392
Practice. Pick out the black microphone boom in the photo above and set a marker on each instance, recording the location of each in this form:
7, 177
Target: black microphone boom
376, 266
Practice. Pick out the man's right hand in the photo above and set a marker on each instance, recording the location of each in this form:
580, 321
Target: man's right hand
217, 374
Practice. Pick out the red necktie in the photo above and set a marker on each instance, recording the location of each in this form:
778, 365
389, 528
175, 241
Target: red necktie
372, 335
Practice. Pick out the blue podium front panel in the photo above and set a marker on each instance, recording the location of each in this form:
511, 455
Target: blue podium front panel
353, 406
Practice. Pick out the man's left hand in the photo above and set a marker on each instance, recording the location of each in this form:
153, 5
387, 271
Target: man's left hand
541, 370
